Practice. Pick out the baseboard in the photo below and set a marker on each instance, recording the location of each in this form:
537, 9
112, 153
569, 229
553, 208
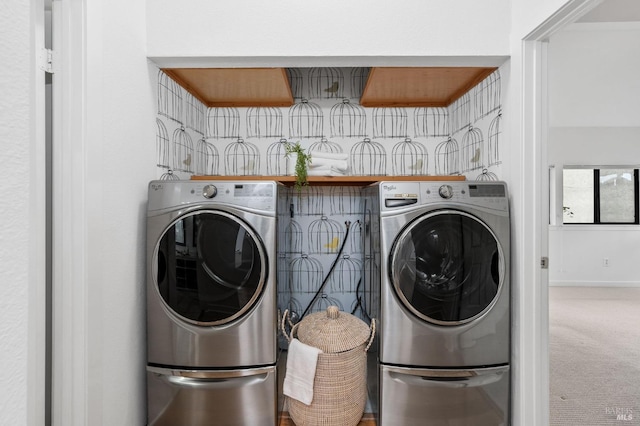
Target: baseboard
368, 419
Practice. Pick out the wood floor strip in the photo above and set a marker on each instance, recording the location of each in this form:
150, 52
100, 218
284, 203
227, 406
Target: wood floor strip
367, 420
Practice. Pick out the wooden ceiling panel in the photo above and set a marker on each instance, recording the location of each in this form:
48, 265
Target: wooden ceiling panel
239, 87
416, 86
385, 87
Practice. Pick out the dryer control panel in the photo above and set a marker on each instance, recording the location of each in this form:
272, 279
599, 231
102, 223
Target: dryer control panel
254, 195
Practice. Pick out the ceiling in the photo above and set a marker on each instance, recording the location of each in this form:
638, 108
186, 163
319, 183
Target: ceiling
613, 11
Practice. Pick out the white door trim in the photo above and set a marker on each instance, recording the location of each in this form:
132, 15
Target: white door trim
70, 393
36, 362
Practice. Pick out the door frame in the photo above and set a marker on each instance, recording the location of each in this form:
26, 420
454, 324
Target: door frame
530, 393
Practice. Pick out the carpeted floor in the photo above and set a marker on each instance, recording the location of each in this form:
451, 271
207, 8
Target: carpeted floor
594, 349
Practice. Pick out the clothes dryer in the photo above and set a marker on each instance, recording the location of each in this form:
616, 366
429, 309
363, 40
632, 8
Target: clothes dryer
211, 303
444, 294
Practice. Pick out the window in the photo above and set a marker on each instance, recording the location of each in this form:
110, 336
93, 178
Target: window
600, 196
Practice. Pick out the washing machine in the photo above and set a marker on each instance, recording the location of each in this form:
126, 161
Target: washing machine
444, 301
211, 303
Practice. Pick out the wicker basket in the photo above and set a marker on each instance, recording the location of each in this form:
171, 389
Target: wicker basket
340, 385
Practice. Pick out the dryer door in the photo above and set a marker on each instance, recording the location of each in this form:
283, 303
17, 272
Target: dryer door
209, 267
447, 267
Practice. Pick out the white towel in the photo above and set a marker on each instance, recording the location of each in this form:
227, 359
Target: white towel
324, 171
321, 162
329, 155
301, 371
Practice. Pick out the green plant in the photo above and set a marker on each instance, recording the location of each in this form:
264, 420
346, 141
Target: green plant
302, 161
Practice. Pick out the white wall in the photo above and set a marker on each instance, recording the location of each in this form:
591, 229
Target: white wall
120, 134
593, 80
594, 99
16, 109
245, 32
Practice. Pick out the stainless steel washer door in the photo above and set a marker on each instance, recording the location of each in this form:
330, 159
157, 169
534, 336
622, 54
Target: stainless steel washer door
209, 267
447, 267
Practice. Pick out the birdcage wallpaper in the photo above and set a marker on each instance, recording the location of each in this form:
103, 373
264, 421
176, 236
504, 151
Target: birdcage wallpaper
325, 301
282, 273
447, 158
182, 151
296, 81
326, 83
308, 201
293, 237
306, 274
264, 122
223, 122
368, 158
322, 226
169, 97
306, 120
358, 79
347, 120
347, 273
493, 146
460, 113
169, 175
242, 159
207, 158
194, 114
325, 235
409, 158
487, 95
486, 175
431, 122
163, 145
390, 123
277, 159
472, 146
344, 200
324, 145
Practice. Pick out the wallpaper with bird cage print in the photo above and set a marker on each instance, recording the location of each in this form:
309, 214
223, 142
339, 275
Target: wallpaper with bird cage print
319, 258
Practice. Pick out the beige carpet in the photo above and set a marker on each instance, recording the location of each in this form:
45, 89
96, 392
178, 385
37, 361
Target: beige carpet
594, 346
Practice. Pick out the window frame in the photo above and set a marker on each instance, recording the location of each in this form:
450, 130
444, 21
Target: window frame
596, 195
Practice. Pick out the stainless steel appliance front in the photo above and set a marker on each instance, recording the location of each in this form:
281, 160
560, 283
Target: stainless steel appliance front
211, 300
444, 291
190, 398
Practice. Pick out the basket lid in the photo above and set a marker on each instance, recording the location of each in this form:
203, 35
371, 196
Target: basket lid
333, 331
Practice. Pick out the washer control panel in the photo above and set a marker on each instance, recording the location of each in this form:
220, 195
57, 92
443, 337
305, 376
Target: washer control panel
491, 195
398, 195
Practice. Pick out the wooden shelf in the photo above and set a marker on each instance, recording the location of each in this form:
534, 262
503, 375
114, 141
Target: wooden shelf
420, 87
334, 180
235, 87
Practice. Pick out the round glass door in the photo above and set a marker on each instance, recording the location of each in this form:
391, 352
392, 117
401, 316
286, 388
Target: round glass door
447, 267
210, 267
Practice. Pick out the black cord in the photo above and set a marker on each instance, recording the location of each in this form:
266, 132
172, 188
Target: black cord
326, 278
360, 304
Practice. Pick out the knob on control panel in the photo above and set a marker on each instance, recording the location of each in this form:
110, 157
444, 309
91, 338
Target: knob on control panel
446, 191
209, 191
